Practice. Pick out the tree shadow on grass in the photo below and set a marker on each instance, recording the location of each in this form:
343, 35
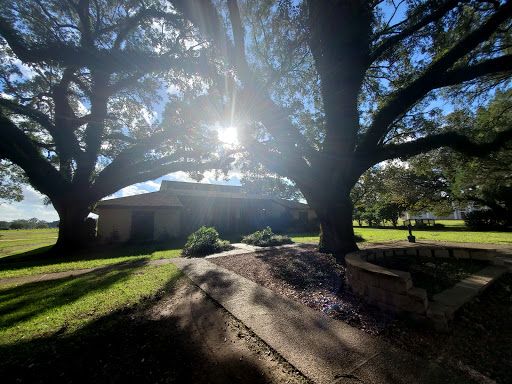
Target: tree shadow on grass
23, 302
43, 256
128, 345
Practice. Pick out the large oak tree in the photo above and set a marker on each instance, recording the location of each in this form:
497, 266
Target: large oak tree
79, 81
328, 88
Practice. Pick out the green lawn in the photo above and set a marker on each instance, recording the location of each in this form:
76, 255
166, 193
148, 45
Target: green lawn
375, 235
454, 231
44, 308
13, 242
28, 262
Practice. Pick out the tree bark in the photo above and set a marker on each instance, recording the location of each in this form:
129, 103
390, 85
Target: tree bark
334, 211
74, 230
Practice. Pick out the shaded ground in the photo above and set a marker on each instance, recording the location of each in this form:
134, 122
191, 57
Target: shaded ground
182, 337
479, 347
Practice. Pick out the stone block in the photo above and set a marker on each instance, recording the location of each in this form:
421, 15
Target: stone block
348, 277
375, 293
400, 302
411, 251
424, 252
415, 303
395, 284
369, 277
442, 253
461, 253
358, 286
479, 254
399, 252
418, 300
354, 271
459, 294
389, 253
379, 254
498, 261
436, 313
388, 308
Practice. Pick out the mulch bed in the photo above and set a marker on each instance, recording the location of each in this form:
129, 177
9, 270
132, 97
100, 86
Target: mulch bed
479, 347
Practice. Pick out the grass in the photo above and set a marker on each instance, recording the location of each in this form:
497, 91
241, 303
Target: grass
61, 306
13, 242
454, 231
29, 263
378, 235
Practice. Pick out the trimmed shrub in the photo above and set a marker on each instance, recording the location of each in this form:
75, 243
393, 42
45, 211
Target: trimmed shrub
483, 220
205, 241
266, 238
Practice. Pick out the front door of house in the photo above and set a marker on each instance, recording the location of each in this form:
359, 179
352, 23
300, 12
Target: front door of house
143, 225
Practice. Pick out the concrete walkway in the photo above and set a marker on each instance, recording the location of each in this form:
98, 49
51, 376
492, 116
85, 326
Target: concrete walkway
323, 349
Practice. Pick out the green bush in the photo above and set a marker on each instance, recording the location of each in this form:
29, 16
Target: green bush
483, 221
205, 241
266, 238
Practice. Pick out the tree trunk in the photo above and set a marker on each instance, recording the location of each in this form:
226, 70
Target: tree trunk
335, 215
74, 229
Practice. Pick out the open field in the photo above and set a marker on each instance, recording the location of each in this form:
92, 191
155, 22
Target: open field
13, 242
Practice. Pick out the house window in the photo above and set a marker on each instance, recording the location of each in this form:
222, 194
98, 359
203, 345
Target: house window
303, 216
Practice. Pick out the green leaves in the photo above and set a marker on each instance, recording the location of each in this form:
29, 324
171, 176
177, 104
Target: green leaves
204, 241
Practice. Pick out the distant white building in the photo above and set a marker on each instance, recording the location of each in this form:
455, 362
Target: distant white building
458, 214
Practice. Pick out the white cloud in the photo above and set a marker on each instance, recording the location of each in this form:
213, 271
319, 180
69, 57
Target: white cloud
151, 185
209, 178
31, 206
183, 176
131, 191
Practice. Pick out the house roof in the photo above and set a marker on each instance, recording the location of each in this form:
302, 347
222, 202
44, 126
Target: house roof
290, 203
171, 198
152, 199
227, 195
182, 185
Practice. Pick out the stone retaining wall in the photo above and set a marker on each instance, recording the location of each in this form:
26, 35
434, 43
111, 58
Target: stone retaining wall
393, 290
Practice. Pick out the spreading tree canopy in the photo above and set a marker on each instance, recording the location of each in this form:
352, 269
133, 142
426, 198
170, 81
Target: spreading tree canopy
79, 82
325, 89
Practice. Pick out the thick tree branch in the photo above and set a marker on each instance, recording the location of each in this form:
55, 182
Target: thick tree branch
22, 151
402, 100
467, 73
453, 140
114, 178
30, 113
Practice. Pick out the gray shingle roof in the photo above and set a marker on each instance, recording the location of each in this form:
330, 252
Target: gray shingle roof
152, 199
171, 198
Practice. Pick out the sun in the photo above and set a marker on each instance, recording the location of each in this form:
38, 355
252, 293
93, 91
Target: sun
228, 135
